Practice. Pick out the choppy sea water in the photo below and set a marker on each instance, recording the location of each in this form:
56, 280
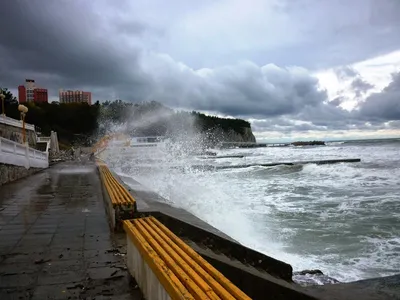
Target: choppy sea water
343, 219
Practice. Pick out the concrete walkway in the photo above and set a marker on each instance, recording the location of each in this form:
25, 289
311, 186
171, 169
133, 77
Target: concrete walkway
55, 241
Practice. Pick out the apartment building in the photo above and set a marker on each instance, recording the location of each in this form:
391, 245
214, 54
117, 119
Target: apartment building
68, 96
29, 92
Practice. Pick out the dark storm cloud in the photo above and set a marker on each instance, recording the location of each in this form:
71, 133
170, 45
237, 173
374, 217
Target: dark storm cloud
62, 45
90, 53
101, 47
384, 105
243, 89
350, 30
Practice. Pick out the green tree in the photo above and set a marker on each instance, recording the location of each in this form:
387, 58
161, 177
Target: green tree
9, 97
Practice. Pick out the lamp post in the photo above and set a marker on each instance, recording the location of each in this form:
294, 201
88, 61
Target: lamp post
3, 112
23, 110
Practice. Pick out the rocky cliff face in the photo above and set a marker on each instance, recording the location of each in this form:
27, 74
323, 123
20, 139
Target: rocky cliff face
246, 136
216, 136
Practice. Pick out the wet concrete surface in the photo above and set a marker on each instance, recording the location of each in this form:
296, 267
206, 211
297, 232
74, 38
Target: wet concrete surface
55, 241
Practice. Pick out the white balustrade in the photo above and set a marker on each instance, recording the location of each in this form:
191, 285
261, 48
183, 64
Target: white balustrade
15, 123
17, 154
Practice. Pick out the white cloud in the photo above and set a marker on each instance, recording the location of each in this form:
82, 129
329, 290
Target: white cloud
377, 71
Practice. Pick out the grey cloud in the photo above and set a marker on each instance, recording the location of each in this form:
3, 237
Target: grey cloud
345, 72
58, 55
243, 89
63, 45
107, 54
394, 124
311, 33
337, 101
283, 124
384, 105
360, 86
337, 33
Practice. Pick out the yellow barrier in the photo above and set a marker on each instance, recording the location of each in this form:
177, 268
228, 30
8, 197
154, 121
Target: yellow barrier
182, 272
118, 194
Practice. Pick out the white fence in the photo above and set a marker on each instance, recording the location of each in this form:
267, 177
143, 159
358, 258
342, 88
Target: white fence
15, 123
14, 153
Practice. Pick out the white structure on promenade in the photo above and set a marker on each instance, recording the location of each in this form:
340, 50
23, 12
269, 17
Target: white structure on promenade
19, 154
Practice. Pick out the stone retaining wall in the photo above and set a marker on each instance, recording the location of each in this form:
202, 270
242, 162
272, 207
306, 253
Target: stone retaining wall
9, 173
15, 134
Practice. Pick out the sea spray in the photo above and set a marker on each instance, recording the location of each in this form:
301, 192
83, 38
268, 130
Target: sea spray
341, 219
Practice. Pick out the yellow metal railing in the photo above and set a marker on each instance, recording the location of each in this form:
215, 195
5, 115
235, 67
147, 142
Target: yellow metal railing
118, 194
183, 273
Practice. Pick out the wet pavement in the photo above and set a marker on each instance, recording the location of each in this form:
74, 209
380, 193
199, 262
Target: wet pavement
55, 241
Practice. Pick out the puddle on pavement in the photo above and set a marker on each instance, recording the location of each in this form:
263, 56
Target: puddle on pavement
75, 170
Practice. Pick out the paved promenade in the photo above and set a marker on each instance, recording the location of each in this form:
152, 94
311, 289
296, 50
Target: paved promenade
55, 242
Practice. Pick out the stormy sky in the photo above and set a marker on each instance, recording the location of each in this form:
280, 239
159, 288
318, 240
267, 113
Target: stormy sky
294, 68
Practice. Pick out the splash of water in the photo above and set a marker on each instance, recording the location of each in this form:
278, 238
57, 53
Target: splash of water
203, 193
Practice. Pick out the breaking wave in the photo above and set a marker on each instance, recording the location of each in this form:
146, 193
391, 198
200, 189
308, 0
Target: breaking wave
341, 219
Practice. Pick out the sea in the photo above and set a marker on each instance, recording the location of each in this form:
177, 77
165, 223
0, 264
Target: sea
342, 219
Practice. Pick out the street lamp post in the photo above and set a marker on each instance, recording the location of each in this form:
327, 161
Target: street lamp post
23, 110
3, 112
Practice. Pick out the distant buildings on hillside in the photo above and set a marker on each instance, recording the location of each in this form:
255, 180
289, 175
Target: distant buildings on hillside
29, 92
75, 97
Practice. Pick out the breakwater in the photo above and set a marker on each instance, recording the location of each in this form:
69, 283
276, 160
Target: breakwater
273, 164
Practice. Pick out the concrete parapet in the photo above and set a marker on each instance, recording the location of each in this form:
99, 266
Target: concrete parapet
119, 202
165, 267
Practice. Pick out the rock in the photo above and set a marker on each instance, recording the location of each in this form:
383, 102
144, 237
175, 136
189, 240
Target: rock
311, 272
309, 143
312, 277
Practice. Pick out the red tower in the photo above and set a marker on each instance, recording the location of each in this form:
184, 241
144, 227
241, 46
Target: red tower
21, 94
